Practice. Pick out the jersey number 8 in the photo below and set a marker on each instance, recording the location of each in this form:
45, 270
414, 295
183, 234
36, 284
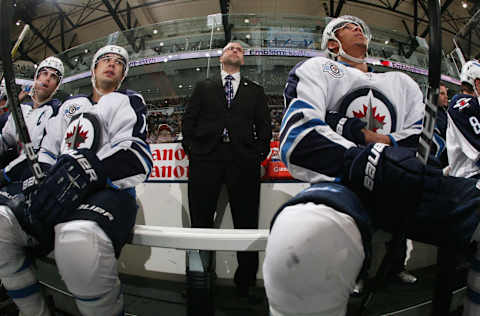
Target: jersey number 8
475, 124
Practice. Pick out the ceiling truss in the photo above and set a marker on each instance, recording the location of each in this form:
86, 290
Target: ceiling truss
55, 23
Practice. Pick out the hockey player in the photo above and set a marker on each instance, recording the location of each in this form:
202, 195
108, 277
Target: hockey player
363, 177
47, 80
85, 207
463, 149
463, 143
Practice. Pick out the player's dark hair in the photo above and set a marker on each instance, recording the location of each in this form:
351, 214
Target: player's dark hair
466, 87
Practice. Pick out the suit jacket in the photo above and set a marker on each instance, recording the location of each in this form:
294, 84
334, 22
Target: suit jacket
247, 120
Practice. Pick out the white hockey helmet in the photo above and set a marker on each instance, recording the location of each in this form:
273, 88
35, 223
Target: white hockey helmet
470, 72
335, 25
54, 63
110, 49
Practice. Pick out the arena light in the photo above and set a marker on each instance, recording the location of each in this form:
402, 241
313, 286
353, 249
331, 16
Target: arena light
155, 31
464, 4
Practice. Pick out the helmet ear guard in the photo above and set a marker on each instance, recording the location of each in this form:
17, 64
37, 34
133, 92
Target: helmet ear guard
338, 23
109, 49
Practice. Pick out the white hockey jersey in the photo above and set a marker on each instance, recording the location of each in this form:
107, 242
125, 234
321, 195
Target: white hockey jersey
463, 136
115, 128
388, 103
36, 122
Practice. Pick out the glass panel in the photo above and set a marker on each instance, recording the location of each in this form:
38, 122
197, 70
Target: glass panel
167, 59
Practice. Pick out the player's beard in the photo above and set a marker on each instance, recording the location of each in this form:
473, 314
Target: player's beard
42, 94
107, 84
236, 62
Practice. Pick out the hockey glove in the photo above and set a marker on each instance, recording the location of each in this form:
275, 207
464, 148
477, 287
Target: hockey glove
348, 127
74, 176
387, 179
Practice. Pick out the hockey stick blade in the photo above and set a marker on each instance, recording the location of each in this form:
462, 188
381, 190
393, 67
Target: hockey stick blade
17, 44
14, 104
434, 70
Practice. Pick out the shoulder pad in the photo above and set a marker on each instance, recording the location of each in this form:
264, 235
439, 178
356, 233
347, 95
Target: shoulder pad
55, 104
460, 102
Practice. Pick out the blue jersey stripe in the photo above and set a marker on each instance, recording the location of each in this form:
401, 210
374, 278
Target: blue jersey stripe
290, 122
293, 134
24, 292
295, 106
290, 91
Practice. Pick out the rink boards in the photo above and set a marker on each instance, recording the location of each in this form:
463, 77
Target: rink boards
165, 204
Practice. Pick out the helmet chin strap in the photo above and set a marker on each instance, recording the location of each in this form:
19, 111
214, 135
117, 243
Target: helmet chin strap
350, 57
342, 53
94, 84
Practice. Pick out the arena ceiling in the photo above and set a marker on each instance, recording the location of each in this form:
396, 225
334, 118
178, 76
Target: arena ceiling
58, 25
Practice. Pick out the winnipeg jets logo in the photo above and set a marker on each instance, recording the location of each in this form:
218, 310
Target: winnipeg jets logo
76, 137
372, 107
462, 103
368, 115
83, 131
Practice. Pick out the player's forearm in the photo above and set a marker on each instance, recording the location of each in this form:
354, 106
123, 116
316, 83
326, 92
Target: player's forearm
372, 137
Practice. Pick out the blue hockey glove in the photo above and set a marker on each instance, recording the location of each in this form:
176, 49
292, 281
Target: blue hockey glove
400, 192
348, 127
385, 177
74, 176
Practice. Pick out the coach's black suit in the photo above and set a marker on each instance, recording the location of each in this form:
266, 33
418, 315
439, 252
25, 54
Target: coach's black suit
236, 164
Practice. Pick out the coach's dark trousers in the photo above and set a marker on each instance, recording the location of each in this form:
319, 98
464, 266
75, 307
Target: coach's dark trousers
242, 179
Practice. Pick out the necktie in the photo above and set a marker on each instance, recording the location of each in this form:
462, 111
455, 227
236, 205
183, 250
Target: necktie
229, 89
229, 96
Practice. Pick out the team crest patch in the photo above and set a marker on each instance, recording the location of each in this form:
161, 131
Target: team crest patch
71, 109
371, 107
462, 103
333, 70
83, 131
